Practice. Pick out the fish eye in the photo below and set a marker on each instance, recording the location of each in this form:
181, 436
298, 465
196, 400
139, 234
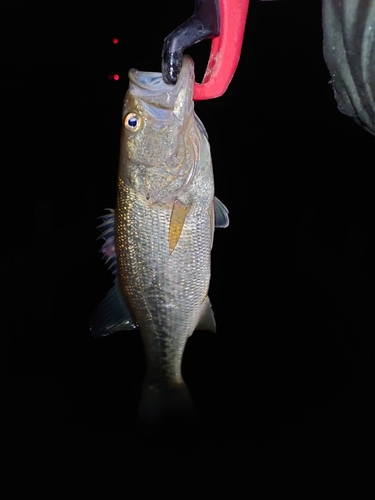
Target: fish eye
132, 122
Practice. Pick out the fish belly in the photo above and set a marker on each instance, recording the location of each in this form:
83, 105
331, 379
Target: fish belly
164, 291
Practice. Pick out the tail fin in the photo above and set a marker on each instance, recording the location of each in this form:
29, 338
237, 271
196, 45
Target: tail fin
167, 405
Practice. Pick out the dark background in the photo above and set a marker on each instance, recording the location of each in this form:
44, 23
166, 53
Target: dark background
292, 283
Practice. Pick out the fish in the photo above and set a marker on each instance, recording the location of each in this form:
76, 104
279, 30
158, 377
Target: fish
158, 239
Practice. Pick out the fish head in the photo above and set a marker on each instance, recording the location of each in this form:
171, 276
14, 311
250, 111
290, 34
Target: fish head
159, 143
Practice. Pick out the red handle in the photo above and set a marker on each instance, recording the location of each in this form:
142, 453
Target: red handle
225, 50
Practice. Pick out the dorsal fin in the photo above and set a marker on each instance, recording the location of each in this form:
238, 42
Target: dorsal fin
111, 315
107, 233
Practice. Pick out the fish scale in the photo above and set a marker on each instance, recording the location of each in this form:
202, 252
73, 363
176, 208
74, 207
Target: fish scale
183, 276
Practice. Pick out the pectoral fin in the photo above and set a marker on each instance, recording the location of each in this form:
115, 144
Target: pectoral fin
176, 224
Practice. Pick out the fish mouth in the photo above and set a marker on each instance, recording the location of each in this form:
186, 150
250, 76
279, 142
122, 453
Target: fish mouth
148, 80
150, 87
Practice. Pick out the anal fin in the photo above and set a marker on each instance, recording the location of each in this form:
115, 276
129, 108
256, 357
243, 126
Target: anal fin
207, 319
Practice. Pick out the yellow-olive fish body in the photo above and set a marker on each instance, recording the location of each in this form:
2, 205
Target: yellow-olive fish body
158, 240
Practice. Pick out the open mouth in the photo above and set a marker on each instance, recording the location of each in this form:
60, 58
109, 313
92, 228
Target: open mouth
148, 80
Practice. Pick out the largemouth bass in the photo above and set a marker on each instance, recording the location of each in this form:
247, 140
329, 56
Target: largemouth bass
158, 240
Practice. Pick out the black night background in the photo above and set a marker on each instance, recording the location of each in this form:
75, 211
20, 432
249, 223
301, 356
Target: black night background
292, 288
